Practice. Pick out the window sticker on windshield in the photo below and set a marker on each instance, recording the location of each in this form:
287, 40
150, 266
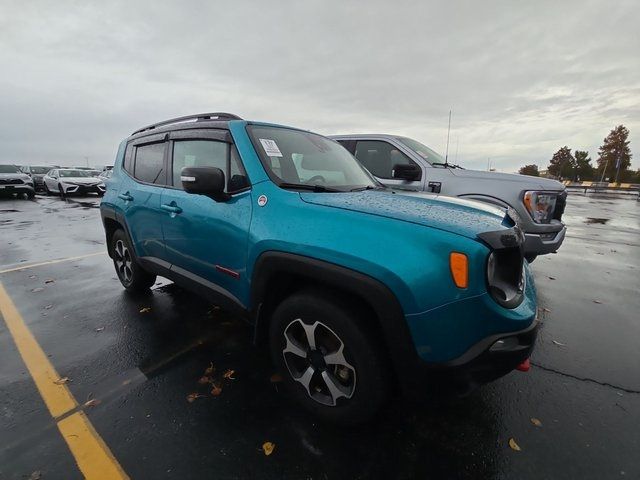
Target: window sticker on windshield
270, 147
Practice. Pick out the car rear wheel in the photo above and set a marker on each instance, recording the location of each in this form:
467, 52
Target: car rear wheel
132, 276
332, 363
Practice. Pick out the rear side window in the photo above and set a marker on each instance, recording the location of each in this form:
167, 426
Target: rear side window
380, 157
128, 159
149, 163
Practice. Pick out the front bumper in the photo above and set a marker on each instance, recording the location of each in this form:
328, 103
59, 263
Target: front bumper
541, 243
16, 188
484, 362
83, 189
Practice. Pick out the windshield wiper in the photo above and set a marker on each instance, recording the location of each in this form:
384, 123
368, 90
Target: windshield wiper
368, 187
448, 165
306, 186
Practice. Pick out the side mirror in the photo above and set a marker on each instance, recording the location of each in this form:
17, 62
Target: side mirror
406, 171
207, 181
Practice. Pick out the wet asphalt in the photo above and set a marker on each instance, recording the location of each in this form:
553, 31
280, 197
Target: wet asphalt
142, 356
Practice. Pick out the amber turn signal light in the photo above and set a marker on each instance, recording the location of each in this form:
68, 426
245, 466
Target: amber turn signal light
459, 269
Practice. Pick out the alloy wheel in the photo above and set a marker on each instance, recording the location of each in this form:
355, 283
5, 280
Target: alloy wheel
122, 259
315, 357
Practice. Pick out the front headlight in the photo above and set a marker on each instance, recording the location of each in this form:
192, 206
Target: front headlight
540, 205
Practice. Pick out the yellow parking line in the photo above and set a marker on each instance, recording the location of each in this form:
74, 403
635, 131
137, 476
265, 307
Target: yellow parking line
92, 455
50, 262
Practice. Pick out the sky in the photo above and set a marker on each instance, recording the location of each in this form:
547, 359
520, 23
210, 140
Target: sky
522, 78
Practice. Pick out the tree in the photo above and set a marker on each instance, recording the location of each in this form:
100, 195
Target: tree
584, 169
615, 148
562, 163
529, 170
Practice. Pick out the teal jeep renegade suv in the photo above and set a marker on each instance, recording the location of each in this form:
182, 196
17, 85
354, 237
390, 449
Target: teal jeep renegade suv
358, 290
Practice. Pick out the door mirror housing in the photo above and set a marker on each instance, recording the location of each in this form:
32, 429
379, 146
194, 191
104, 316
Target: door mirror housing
207, 181
404, 171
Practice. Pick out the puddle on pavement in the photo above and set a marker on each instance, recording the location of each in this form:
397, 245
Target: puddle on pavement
9, 210
600, 221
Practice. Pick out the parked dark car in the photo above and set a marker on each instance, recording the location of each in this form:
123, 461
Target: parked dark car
37, 173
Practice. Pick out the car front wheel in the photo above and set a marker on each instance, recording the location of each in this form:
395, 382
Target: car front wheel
132, 276
333, 364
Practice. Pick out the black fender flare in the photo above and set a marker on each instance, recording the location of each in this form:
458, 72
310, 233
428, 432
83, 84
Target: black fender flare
390, 316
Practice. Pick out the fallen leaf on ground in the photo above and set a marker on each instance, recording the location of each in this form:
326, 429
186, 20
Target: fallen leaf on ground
552, 278
210, 369
145, 310
536, 422
276, 378
545, 310
62, 381
192, 397
268, 448
36, 290
216, 390
514, 445
49, 280
99, 329
33, 276
229, 374
559, 344
204, 380
597, 301
48, 307
37, 475
91, 403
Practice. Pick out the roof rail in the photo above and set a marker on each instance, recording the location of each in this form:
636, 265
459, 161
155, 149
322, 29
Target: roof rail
197, 117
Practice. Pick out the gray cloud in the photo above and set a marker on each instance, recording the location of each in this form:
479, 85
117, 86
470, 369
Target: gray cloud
522, 78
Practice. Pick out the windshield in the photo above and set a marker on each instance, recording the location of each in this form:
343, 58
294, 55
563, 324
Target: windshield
9, 169
422, 150
302, 158
76, 173
39, 170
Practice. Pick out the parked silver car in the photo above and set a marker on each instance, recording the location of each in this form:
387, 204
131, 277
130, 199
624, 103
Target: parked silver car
404, 163
67, 181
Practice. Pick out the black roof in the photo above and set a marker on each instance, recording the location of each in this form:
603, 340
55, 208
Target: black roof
215, 119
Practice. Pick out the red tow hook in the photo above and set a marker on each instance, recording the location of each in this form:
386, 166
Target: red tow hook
524, 366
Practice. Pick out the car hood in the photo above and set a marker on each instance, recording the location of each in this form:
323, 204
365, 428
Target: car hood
527, 181
81, 180
21, 176
454, 215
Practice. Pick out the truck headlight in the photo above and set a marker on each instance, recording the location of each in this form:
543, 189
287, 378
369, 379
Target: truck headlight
540, 205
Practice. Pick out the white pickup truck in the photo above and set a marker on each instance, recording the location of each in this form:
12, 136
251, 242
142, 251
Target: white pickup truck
404, 163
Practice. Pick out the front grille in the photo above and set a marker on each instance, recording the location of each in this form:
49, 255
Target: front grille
561, 203
10, 181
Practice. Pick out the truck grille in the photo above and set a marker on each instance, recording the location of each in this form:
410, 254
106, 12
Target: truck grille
561, 203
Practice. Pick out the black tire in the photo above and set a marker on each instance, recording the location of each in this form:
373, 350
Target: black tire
364, 382
132, 276
46, 189
31, 195
61, 191
531, 257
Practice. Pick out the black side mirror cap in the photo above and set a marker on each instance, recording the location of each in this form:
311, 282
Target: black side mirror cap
207, 181
404, 171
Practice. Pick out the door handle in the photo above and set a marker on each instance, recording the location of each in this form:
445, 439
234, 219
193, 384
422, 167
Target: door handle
171, 208
125, 196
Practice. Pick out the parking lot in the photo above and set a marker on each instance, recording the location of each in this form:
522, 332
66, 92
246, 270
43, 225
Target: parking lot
132, 364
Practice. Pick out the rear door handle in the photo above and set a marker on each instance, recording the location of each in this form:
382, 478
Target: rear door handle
125, 196
171, 208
